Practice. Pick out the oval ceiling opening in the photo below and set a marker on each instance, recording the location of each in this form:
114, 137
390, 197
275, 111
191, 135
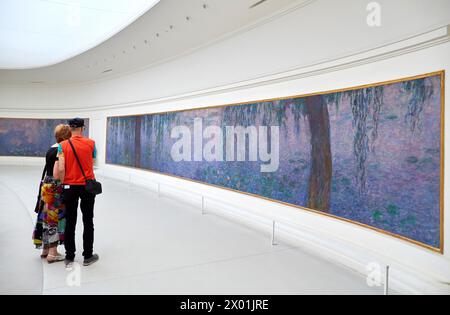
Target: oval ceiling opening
36, 34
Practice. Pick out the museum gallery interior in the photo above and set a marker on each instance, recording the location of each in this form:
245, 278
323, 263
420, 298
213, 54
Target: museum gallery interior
244, 147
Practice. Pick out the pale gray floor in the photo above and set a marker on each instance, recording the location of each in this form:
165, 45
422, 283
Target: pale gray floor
158, 246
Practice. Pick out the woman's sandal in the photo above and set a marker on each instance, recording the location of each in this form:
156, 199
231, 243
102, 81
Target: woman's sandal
54, 259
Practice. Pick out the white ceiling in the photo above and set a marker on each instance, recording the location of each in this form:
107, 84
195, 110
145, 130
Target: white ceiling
169, 29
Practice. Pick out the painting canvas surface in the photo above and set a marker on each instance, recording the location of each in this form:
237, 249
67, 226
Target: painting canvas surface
370, 155
29, 137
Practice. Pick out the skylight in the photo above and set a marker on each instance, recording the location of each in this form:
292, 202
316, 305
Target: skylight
39, 33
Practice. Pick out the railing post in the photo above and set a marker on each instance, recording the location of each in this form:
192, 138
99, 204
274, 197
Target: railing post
273, 233
203, 205
386, 282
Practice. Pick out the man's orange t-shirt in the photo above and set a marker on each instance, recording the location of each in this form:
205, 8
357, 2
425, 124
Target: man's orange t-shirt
86, 152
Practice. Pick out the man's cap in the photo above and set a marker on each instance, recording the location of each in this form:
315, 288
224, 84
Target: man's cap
76, 123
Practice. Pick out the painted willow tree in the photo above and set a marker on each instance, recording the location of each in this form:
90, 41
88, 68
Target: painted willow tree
319, 194
315, 111
154, 132
366, 107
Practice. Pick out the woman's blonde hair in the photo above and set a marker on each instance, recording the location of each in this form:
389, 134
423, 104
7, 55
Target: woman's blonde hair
62, 133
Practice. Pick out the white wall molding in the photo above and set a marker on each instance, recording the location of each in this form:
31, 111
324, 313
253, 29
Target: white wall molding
405, 46
422, 41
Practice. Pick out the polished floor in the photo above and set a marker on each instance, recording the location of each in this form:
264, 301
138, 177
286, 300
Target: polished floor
151, 245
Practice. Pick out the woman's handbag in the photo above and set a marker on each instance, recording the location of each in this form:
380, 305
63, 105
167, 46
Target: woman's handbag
40, 204
92, 186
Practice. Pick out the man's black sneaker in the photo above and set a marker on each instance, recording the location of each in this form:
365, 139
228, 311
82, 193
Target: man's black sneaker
92, 260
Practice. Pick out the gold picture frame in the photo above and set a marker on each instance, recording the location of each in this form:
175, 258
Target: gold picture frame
440, 73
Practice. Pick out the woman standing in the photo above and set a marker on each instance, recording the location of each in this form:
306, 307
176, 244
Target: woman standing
50, 226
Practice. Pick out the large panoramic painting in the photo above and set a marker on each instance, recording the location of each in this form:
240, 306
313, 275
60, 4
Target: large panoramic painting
370, 155
28, 137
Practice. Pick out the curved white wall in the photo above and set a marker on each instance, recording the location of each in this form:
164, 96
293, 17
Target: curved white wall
330, 54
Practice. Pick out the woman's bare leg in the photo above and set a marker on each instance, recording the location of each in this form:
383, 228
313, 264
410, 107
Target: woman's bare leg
53, 250
53, 255
45, 251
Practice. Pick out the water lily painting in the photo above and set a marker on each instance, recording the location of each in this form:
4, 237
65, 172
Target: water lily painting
29, 137
370, 155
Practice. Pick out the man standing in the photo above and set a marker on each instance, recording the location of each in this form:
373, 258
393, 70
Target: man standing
74, 183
